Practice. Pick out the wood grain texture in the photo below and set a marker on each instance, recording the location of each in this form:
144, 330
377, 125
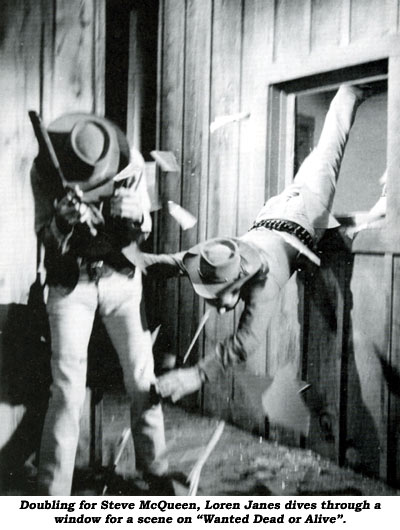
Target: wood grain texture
326, 20
223, 161
135, 83
171, 139
323, 358
253, 131
292, 19
366, 392
72, 71
99, 45
195, 155
393, 178
394, 401
365, 11
19, 92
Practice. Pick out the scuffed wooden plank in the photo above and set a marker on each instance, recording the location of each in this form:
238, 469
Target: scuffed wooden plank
223, 164
72, 87
394, 410
393, 163
170, 137
253, 131
20, 381
19, 92
385, 431
135, 83
195, 151
99, 45
323, 363
366, 393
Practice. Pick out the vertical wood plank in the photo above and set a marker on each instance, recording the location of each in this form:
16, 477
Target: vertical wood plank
19, 92
47, 60
99, 47
135, 83
20, 29
287, 169
365, 11
253, 131
325, 24
273, 139
195, 150
345, 23
72, 87
367, 402
386, 432
393, 162
224, 164
322, 359
171, 132
292, 18
394, 410
393, 15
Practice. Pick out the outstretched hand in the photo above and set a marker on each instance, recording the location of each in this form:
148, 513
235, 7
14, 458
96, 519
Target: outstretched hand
179, 383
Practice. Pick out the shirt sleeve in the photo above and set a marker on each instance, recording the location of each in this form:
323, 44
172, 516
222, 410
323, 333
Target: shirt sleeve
164, 266
260, 304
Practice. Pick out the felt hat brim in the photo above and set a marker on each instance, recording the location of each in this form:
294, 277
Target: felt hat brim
250, 264
99, 181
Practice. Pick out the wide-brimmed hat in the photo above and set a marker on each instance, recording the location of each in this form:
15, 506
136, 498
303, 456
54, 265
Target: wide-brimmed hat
90, 150
220, 265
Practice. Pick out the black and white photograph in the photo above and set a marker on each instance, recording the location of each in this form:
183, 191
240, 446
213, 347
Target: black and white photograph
199, 261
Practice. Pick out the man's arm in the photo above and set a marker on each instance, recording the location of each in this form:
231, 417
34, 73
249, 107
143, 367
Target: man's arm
260, 305
164, 266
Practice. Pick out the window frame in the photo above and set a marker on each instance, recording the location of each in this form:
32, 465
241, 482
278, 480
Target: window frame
281, 140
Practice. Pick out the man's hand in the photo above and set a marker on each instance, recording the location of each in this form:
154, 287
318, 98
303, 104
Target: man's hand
126, 204
69, 213
179, 383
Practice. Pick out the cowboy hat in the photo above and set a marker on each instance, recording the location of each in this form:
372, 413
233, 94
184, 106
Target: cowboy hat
220, 265
90, 150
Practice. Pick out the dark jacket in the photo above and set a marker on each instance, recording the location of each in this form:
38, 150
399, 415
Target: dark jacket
66, 253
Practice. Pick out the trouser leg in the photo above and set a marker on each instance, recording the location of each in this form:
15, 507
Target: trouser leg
320, 171
122, 311
71, 320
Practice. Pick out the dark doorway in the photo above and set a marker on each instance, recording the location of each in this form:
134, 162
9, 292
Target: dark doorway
131, 69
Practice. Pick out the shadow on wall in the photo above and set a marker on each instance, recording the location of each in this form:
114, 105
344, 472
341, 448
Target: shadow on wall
342, 426
24, 380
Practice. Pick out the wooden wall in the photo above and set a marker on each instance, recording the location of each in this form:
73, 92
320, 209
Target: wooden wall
52, 61
225, 56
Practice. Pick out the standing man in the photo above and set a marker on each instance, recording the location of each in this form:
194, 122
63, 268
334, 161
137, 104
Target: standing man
90, 235
256, 266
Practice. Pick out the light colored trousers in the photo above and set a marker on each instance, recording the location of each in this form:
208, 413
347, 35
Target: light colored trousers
308, 200
71, 316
